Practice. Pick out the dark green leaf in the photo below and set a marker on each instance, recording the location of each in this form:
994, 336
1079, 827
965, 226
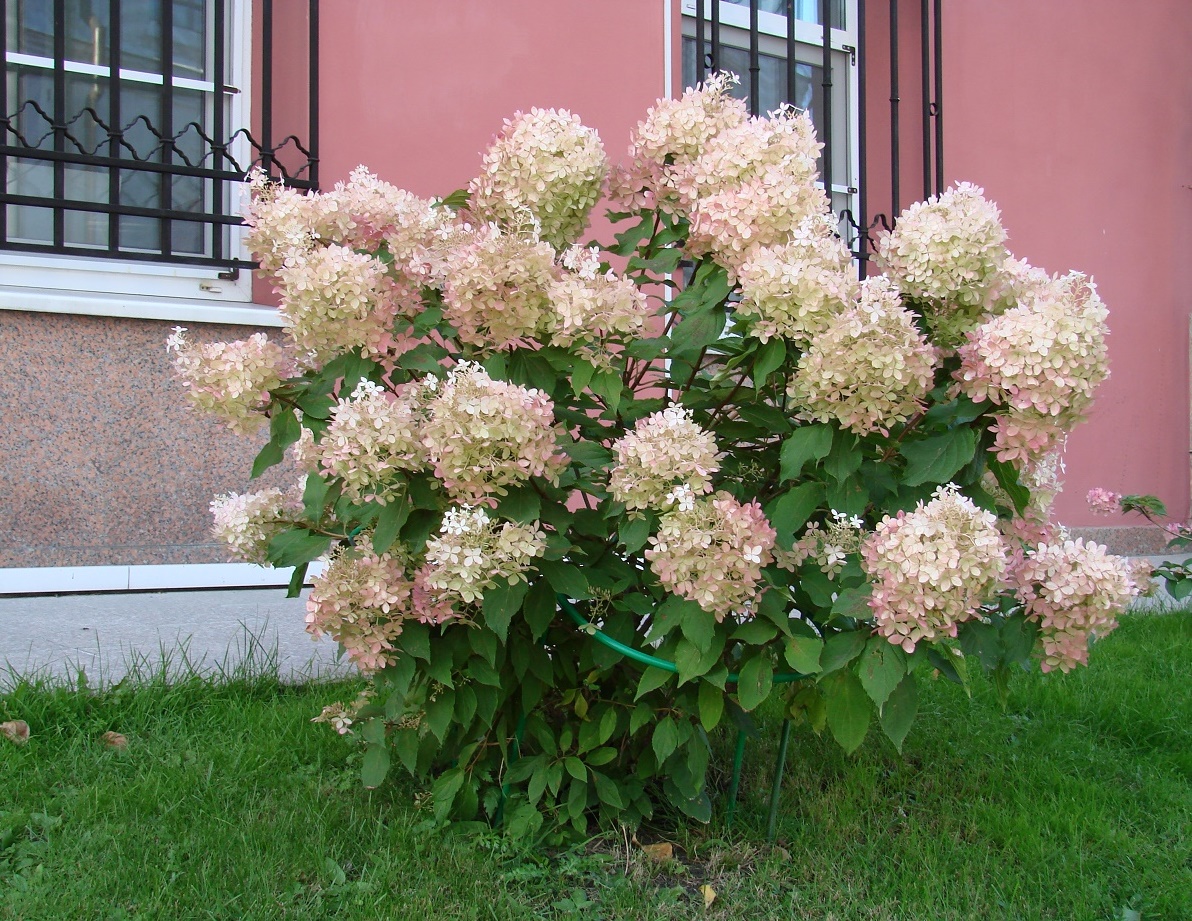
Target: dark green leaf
521, 504
848, 709
296, 546
375, 765
754, 682
540, 607
845, 457
1007, 478
698, 626
711, 705
665, 739
692, 333
938, 459
769, 358
501, 602
297, 580
803, 653
652, 679
389, 523
791, 510
588, 454
607, 791
899, 711
439, 712
806, 443
565, 578
271, 454
634, 533
881, 668
842, 648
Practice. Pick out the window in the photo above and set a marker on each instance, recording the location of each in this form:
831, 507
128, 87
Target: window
724, 29
125, 137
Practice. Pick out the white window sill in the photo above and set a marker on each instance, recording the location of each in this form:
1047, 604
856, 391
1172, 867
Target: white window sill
136, 306
65, 579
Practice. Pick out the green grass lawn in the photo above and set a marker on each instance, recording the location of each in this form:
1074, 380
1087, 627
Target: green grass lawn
1076, 803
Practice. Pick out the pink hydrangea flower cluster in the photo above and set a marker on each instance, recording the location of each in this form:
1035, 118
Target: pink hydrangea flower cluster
546, 163
664, 450
473, 550
946, 253
1103, 501
281, 222
870, 368
794, 290
247, 522
711, 550
591, 306
932, 568
1043, 360
335, 299
482, 435
370, 435
230, 379
497, 290
1075, 590
361, 599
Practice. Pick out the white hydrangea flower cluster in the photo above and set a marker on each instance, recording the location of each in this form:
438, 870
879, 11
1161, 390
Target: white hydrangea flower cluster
482, 435
1075, 590
230, 379
711, 550
473, 550
946, 253
932, 568
1043, 360
795, 289
870, 368
247, 522
497, 291
830, 547
546, 162
335, 299
281, 222
369, 435
664, 450
590, 306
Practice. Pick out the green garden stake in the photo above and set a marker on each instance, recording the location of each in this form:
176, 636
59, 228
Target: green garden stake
518, 732
776, 786
735, 783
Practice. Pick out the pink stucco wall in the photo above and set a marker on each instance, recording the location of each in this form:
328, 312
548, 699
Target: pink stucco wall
1077, 120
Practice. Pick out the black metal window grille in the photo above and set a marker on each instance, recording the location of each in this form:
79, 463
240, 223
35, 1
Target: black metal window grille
124, 135
768, 44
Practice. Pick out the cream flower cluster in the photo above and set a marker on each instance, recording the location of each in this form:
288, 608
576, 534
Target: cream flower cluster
370, 435
473, 550
794, 290
664, 450
545, 162
247, 522
1075, 590
335, 299
830, 547
931, 568
1043, 360
870, 368
361, 599
482, 435
230, 379
711, 550
281, 222
497, 289
946, 253
590, 306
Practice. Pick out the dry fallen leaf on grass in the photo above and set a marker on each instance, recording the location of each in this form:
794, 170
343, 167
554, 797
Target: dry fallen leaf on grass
15, 731
709, 895
114, 740
663, 850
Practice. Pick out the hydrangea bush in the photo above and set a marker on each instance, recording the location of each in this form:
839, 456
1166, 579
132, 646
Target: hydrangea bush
707, 438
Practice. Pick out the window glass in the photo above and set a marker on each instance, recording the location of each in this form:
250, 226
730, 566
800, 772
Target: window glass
805, 10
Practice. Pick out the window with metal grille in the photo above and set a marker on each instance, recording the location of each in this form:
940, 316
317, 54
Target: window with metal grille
126, 127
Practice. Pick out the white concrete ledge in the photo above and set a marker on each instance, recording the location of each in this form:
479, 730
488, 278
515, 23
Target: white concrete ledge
63, 579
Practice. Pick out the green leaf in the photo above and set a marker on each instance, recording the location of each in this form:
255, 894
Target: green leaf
694, 332
444, 792
581, 375
881, 668
628, 240
899, 712
501, 602
670, 614
521, 504
415, 640
842, 648
540, 608
792, 509
607, 385
844, 459
981, 641
755, 632
607, 791
754, 682
1007, 477
848, 709
389, 523
665, 739
456, 200
565, 579
634, 533
296, 546
769, 358
439, 713
652, 679
297, 581
375, 765
803, 653
575, 768
662, 264
711, 705
588, 454
271, 454
314, 497
806, 443
698, 626
938, 459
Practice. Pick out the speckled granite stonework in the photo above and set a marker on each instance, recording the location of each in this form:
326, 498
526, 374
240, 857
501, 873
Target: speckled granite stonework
1127, 541
102, 460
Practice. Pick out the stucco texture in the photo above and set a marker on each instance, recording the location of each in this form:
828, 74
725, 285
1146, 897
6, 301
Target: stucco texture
102, 459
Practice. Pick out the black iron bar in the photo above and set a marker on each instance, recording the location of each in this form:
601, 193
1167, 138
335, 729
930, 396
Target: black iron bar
91, 252
715, 65
114, 132
7, 114
925, 47
895, 167
167, 121
98, 207
59, 120
792, 63
267, 86
146, 166
755, 68
312, 127
939, 98
218, 142
825, 130
863, 177
700, 68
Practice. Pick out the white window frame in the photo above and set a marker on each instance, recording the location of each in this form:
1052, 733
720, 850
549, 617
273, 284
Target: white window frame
734, 24
99, 286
